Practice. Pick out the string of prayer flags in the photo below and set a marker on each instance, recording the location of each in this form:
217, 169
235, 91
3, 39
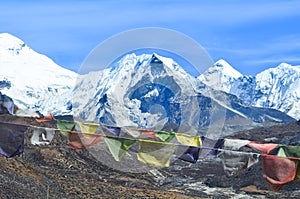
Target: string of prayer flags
164, 136
47, 118
79, 140
12, 139
280, 163
278, 170
118, 146
65, 126
264, 148
156, 153
237, 161
42, 135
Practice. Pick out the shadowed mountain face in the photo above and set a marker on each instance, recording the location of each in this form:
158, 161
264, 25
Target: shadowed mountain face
150, 90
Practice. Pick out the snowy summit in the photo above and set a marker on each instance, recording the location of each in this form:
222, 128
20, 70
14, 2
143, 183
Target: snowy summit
220, 76
35, 81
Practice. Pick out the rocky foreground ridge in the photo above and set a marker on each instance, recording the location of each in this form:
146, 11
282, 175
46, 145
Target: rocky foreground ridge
55, 171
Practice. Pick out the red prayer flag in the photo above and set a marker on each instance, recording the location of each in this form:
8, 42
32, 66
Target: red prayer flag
77, 141
264, 148
48, 118
278, 170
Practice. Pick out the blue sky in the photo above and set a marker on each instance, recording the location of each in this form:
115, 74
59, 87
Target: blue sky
250, 35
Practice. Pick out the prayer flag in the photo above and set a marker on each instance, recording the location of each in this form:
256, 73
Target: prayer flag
88, 128
78, 140
156, 153
12, 139
236, 161
42, 135
118, 146
191, 154
210, 146
234, 144
264, 148
164, 136
278, 170
289, 151
189, 140
111, 130
48, 118
65, 126
140, 132
148, 133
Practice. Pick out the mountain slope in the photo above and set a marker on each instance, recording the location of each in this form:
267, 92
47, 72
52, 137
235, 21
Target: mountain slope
33, 80
276, 88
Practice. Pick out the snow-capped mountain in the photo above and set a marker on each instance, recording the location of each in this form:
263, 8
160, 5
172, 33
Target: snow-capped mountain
144, 91
150, 90
33, 80
220, 76
276, 88
140, 85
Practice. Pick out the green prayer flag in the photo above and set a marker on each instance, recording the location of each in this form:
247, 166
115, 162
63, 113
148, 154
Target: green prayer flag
289, 151
64, 126
118, 146
165, 136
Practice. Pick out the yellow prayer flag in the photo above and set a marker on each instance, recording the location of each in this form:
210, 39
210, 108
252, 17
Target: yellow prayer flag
88, 128
189, 140
156, 153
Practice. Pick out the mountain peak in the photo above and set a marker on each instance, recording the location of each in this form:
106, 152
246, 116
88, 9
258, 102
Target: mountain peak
34, 81
286, 66
155, 59
8, 41
220, 76
224, 67
283, 70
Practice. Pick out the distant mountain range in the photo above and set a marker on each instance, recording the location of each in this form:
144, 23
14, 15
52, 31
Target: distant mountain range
277, 88
143, 91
